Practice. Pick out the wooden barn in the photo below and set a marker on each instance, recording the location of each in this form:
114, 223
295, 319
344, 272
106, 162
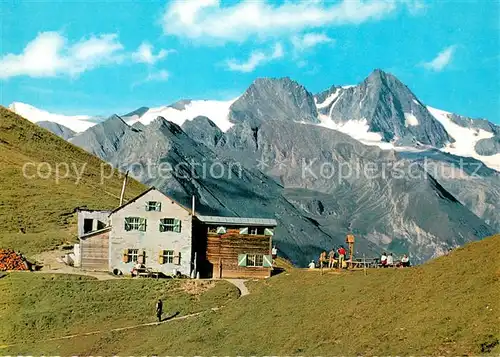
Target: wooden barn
234, 247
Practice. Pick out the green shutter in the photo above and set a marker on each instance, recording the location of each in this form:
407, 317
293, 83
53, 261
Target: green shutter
242, 260
244, 230
177, 225
221, 230
267, 261
142, 225
268, 231
127, 225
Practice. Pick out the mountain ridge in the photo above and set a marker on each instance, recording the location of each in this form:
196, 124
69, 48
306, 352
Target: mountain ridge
393, 118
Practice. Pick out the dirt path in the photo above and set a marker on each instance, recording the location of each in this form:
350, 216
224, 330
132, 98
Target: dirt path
240, 284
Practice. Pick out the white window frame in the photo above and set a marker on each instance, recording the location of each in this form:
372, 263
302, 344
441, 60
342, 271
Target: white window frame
253, 260
253, 231
174, 226
135, 224
168, 256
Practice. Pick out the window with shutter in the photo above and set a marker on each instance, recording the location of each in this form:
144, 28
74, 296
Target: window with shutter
130, 255
255, 260
170, 225
135, 224
177, 259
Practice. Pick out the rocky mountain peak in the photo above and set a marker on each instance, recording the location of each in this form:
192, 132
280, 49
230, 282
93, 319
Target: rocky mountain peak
274, 99
165, 126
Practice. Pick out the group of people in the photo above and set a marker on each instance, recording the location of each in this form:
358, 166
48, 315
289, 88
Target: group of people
387, 260
334, 259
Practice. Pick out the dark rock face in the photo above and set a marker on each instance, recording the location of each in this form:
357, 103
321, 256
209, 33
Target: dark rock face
138, 126
203, 130
470, 123
58, 129
488, 147
102, 139
274, 99
390, 108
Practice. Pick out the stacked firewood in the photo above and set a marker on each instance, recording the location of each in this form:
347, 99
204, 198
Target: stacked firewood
10, 260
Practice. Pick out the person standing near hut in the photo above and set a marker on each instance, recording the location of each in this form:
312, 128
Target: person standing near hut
159, 309
331, 258
341, 251
322, 259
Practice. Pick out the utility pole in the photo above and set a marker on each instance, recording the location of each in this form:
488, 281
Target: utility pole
123, 188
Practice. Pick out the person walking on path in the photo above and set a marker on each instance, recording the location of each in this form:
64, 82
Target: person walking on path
159, 309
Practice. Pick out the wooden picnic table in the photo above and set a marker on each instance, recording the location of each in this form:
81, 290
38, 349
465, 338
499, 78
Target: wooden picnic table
148, 273
363, 263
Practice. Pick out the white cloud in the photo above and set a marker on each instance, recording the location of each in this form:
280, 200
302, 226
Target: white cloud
256, 59
160, 76
50, 54
144, 54
154, 76
442, 60
310, 40
208, 20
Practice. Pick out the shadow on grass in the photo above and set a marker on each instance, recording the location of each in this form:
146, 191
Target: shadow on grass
170, 317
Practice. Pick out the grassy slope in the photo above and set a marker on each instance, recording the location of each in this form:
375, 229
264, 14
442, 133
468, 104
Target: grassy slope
39, 306
449, 306
41, 206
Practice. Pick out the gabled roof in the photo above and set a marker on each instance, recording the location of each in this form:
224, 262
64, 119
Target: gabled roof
238, 221
145, 192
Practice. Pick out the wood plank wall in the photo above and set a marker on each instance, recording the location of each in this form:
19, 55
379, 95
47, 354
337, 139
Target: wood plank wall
224, 249
95, 252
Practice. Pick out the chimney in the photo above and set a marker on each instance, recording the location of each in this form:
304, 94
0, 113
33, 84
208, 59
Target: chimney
123, 189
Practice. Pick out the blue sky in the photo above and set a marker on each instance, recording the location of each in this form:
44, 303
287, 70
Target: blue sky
101, 57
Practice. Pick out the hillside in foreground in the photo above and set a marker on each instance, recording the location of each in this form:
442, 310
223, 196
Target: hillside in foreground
36, 210
449, 306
